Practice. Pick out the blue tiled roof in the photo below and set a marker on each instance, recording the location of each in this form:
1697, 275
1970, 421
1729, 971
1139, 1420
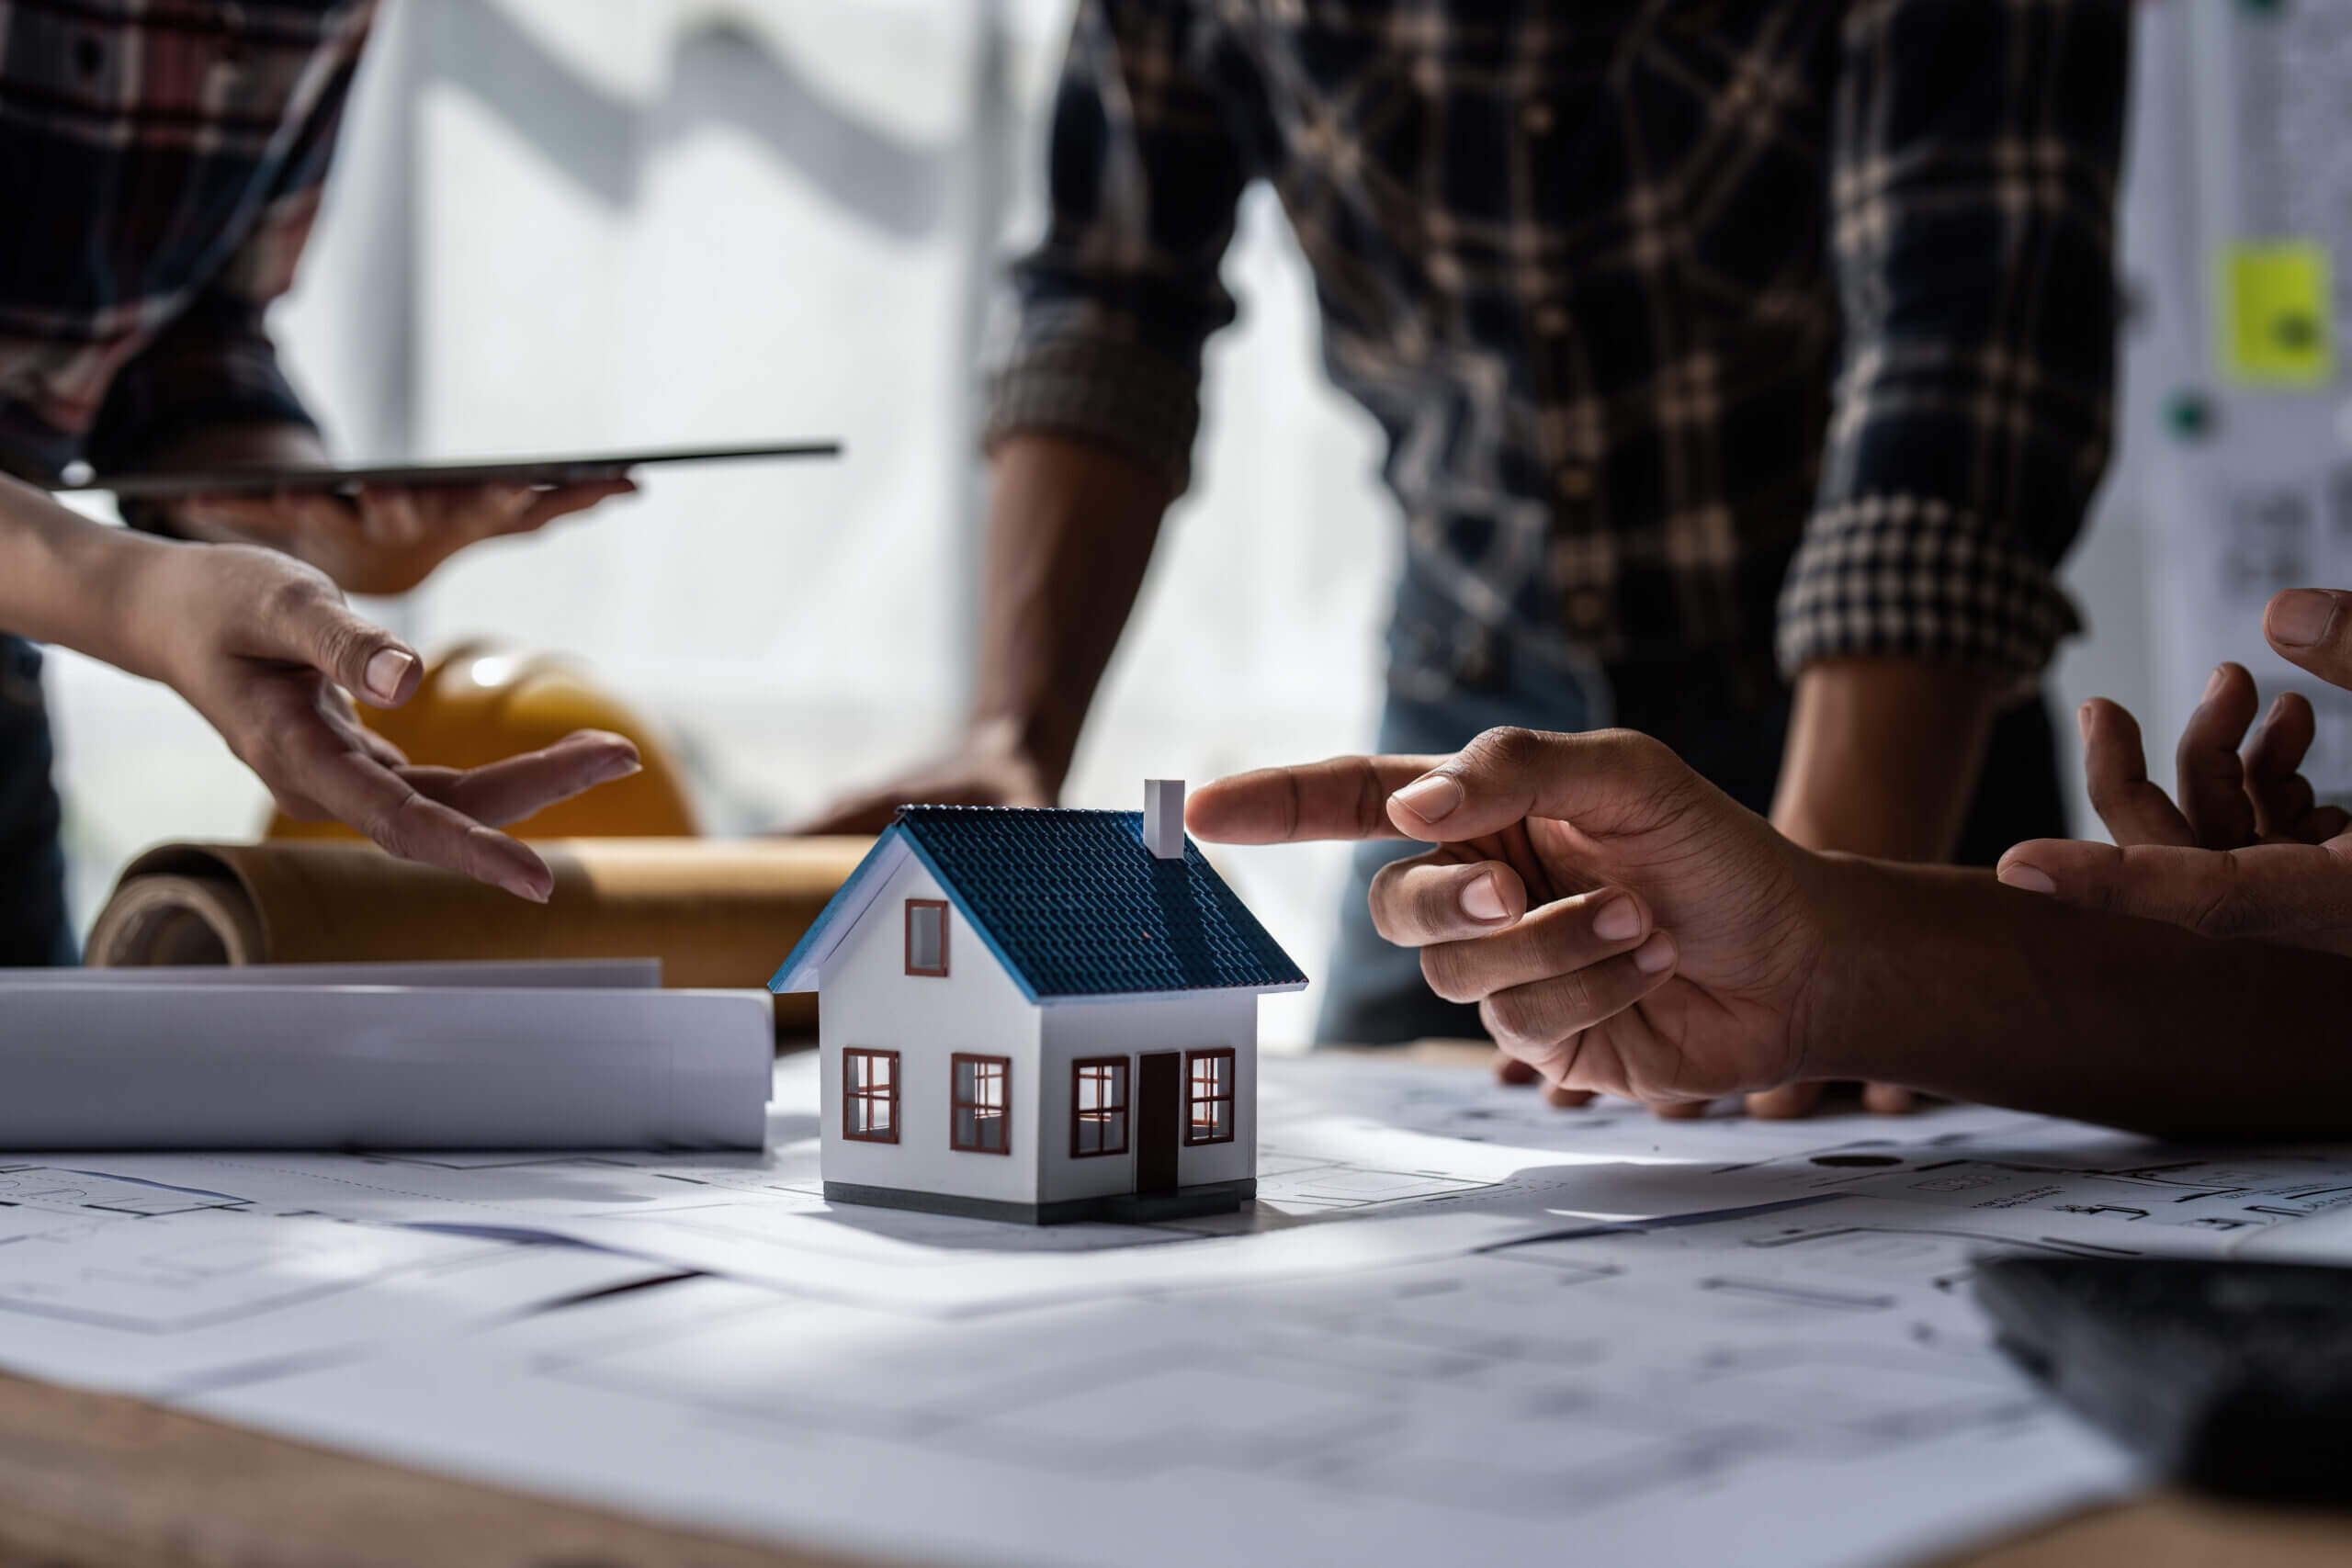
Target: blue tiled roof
1076, 905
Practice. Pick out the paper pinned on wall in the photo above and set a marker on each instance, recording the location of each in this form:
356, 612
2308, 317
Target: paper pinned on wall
284, 1066
2277, 314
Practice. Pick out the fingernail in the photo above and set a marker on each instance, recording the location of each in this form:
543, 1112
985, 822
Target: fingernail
522, 888
1656, 954
619, 768
2083, 722
2027, 879
387, 671
1482, 901
2301, 616
2213, 684
1617, 921
1432, 797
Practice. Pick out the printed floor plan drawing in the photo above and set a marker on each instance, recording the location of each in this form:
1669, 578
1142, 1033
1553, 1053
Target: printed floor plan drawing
1418, 1346
147, 1288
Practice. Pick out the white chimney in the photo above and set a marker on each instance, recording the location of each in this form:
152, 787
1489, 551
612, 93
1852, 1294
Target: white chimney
1163, 817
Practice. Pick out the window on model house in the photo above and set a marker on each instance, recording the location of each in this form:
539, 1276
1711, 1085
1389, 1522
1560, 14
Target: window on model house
982, 1120
1208, 1097
1098, 1107
927, 936
870, 1096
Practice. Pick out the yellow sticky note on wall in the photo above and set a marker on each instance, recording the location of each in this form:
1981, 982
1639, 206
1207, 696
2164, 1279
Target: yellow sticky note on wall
2278, 314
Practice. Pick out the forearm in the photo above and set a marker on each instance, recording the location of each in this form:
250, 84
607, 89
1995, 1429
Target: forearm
1882, 756
68, 580
1945, 981
1070, 534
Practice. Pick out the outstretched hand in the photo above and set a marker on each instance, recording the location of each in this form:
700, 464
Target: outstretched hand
1622, 926
2241, 849
265, 649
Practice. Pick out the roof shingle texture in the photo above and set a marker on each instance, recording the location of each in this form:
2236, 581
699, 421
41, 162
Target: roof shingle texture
1080, 908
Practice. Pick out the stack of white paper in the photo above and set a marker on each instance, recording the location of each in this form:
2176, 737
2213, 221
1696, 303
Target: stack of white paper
515, 1057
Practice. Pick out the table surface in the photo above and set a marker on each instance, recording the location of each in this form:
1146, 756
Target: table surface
98, 1481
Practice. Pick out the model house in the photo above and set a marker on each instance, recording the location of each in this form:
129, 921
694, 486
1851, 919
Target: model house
1039, 1016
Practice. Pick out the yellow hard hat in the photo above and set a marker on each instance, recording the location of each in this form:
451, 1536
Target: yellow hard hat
477, 705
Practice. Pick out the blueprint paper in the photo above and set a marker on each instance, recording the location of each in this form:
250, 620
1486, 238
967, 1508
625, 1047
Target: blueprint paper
300, 1066
145, 1290
1471, 1107
1602, 1407
762, 1217
1626, 1342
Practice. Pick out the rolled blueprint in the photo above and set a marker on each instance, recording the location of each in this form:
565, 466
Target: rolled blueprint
95, 1065
716, 913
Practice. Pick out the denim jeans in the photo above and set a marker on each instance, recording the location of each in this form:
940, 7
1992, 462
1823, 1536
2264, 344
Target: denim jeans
34, 932
1725, 716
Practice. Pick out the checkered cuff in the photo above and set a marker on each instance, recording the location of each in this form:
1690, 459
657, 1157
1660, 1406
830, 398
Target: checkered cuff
1913, 577
213, 365
1120, 395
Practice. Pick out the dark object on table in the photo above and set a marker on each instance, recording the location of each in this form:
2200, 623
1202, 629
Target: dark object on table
2233, 1377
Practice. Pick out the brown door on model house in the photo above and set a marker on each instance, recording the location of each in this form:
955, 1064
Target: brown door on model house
1160, 1110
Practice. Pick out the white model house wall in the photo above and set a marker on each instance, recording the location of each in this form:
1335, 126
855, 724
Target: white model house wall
1077, 1030
871, 1002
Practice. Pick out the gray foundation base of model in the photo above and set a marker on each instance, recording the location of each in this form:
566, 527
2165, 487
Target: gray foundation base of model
1116, 1208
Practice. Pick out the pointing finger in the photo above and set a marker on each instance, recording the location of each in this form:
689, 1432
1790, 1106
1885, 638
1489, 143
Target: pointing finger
1607, 781
1345, 797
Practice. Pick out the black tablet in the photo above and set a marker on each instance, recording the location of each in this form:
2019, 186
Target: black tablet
263, 481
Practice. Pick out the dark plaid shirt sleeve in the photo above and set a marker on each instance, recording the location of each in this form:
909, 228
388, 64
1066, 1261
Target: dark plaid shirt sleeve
215, 364
1977, 153
1144, 174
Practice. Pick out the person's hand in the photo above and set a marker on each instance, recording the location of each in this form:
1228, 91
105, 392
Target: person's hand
2244, 850
264, 649
384, 540
1624, 926
990, 768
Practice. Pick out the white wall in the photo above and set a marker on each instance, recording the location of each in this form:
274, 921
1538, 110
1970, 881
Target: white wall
870, 1001
1113, 1028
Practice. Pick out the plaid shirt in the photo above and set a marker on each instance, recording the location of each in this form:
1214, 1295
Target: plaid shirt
160, 165
1670, 310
